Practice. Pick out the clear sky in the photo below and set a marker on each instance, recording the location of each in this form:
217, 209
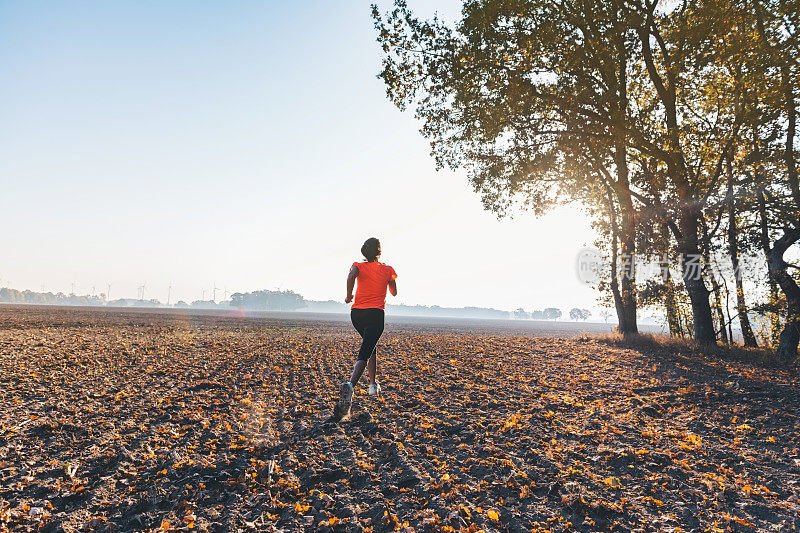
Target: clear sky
247, 144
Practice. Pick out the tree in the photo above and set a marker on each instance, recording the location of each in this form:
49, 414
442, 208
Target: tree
777, 27
605, 314
674, 123
507, 96
552, 313
521, 314
579, 314
757, 47
547, 100
268, 300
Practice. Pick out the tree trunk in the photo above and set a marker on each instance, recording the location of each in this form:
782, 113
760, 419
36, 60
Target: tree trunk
690, 210
728, 310
625, 299
673, 320
706, 246
618, 307
790, 336
774, 318
787, 343
775, 321
733, 251
692, 272
670, 302
791, 127
728, 307
723, 332
627, 325
688, 327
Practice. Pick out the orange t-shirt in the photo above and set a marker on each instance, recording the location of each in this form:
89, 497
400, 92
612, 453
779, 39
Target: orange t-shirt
372, 281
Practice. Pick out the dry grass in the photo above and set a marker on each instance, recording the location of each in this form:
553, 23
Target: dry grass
649, 342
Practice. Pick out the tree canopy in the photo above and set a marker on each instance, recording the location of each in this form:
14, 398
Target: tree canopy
672, 123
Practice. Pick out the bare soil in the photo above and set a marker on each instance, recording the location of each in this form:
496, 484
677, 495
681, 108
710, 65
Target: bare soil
119, 420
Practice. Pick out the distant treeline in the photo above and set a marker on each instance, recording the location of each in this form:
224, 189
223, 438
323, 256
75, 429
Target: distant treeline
332, 306
553, 313
266, 300
292, 301
14, 296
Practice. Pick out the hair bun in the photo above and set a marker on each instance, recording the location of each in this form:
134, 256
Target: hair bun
371, 249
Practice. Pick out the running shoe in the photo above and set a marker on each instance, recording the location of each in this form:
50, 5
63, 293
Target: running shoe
345, 399
374, 388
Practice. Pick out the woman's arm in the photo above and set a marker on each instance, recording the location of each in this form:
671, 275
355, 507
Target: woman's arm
393, 287
351, 282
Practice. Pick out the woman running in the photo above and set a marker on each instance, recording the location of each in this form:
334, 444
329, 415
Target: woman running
367, 316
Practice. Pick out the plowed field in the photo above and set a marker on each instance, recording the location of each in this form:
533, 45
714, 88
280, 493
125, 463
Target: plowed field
114, 420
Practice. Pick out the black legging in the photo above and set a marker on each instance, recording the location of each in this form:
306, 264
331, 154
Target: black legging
369, 324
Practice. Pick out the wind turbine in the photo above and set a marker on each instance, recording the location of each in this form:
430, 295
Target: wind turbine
169, 293
72, 288
108, 292
203, 298
142, 288
214, 297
